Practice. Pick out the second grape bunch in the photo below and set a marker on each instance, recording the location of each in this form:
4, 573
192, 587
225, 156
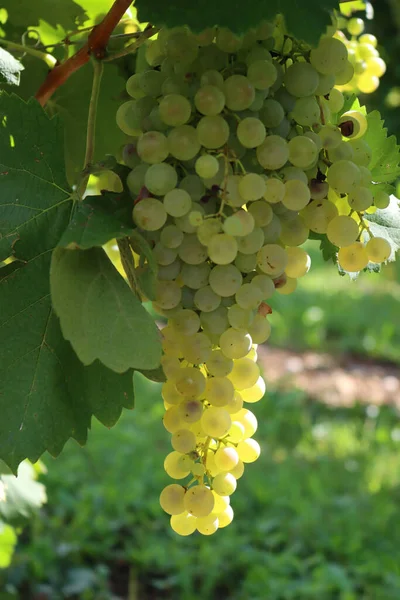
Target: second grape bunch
237, 156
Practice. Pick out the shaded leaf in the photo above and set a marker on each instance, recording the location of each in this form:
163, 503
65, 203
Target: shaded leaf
99, 314
23, 12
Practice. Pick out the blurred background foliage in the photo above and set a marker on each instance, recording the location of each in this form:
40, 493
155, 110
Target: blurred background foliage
316, 518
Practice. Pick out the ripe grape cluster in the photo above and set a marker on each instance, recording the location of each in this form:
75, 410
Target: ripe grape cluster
237, 153
364, 56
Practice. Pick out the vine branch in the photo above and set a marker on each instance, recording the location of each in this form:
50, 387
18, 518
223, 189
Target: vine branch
95, 45
91, 125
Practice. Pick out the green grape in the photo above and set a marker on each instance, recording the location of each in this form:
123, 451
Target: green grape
240, 318
297, 195
248, 450
149, 214
271, 113
288, 287
261, 211
224, 484
239, 224
301, 79
169, 272
171, 236
330, 56
302, 152
207, 230
183, 441
262, 74
343, 175
171, 499
252, 242
215, 321
272, 259
216, 422
191, 251
299, 261
342, 231
252, 187
168, 294
260, 330
206, 166
212, 77
194, 186
353, 258
274, 190
362, 153
212, 132
378, 249
293, 173
235, 343
134, 88
225, 280
251, 132
218, 364
331, 136
273, 152
318, 214
183, 142
227, 41
306, 111
325, 84
185, 322
174, 468
195, 276
150, 82
360, 198
209, 100
219, 391
265, 284
246, 263
239, 92
185, 524
163, 255
353, 124
206, 299
248, 296
196, 348
160, 179
154, 54
190, 411
136, 178
126, 118
381, 199
355, 26
169, 392
199, 500
294, 232
336, 100
152, 147
245, 374
175, 85
222, 249
226, 459
181, 47
207, 525
190, 382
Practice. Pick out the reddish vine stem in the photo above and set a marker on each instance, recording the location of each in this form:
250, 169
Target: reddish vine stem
95, 45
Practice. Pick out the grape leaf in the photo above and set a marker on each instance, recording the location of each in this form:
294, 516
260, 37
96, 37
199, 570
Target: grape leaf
25, 12
386, 223
384, 165
99, 219
32, 172
46, 394
10, 68
99, 314
305, 19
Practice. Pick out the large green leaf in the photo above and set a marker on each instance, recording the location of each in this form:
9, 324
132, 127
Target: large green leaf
99, 314
46, 394
10, 68
305, 19
66, 13
99, 219
32, 173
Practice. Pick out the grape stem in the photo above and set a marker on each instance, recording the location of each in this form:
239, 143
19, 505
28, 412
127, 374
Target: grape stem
91, 125
47, 58
95, 45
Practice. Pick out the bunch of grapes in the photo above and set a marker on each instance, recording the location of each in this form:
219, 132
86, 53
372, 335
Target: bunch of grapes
237, 154
364, 56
